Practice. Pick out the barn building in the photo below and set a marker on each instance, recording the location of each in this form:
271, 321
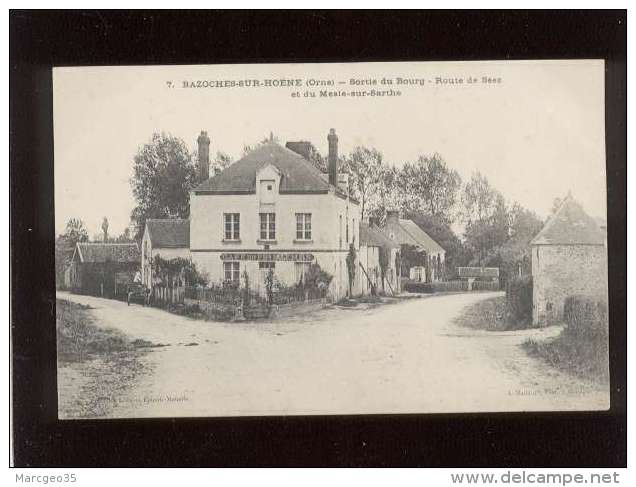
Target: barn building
103, 269
569, 256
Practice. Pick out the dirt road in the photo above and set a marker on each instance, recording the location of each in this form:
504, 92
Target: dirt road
407, 357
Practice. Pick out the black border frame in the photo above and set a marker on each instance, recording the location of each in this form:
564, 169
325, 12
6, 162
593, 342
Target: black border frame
40, 40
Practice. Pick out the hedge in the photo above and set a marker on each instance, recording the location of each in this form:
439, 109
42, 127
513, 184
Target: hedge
486, 286
586, 316
435, 287
418, 287
519, 299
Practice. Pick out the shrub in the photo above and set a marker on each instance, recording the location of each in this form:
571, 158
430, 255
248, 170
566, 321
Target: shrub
449, 286
486, 285
418, 287
519, 299
586, 316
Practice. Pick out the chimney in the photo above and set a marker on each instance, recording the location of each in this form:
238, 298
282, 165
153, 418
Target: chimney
332, 164
392, 216
302, 148
203, 142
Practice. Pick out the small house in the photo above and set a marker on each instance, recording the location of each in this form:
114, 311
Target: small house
103, 269
378, 251
412, 239
167, 238
569, 257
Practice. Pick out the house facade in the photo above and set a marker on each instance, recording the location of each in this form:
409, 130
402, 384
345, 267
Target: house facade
273, 209
569, 256
167, 238
407, 233
372, 243
103, 269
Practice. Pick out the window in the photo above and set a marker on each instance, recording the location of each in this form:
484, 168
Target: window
268, 226
303, 226
231, 271
266, 264
267, 192
232, 225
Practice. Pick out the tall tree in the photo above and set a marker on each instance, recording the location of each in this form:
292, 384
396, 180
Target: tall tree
513, 256
164, 173
365, 170
388, 195
430, 186
105, 228
485, 218
125, 236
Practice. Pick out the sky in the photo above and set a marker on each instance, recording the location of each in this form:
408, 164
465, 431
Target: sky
536, 134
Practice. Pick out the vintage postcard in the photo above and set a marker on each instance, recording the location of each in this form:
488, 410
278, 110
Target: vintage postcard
320, 239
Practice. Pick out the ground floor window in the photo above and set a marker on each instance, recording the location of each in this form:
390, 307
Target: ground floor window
231, 271
267, 265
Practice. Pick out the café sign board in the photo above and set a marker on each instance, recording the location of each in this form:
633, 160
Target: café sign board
269, 256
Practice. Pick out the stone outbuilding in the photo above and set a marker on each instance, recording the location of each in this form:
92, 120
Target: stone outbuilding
569, 257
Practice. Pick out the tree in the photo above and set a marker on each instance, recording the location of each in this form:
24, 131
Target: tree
164, 174
247, 148
125, 236
556, 203
388, 195
478, 199
222, 160
105, 228
429, 185
484, 213
365, 169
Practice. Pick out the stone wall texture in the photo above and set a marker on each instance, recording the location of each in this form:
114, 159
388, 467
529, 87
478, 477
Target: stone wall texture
559, 271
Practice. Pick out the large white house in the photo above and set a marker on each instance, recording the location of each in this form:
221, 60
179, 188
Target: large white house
273, 209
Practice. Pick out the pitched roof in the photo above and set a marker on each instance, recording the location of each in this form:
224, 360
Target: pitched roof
107, 252
407, 232
570, 225
297, 174
169, 233
372, 236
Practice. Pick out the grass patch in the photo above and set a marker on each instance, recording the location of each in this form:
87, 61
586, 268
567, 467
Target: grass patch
78, 339
490, 315
583, 355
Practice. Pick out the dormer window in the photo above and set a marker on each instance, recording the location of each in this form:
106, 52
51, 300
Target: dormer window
267, 191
